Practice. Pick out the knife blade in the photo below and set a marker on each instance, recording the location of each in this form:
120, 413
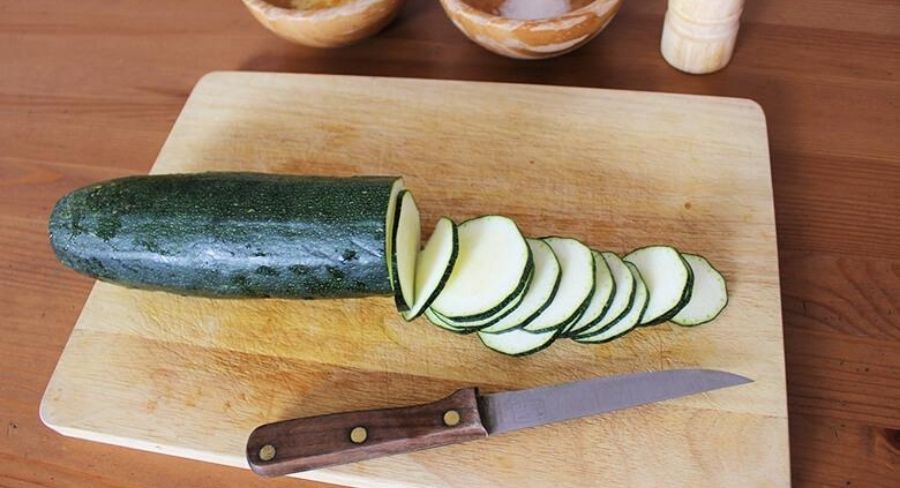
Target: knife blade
326, 440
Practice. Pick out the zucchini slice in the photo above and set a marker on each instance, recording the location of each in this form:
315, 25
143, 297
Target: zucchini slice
433, 266
492, 269
630, 319
604, 289
438, 321
407, 239
389, 224
621, 299
709, 295
575, 287
518, 342
491, 319
668, 278
543, 287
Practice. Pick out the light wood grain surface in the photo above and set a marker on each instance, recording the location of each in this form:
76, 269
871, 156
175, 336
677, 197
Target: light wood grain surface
89, 90
619, 170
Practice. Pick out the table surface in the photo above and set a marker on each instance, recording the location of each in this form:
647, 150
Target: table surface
90, 89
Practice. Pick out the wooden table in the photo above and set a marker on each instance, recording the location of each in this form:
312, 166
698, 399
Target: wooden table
90, 89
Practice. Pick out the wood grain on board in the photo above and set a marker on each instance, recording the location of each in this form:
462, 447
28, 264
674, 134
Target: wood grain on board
90, 91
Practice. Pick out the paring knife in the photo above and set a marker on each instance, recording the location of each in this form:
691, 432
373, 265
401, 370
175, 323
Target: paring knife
326, 440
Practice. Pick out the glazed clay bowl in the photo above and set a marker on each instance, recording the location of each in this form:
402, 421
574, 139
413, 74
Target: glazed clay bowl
324, 23
531, 29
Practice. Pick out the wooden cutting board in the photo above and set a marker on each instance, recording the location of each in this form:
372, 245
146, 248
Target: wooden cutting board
192, 377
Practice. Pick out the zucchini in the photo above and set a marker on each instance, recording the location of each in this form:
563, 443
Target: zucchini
604, 289
493, 269
709, 295
518, 342
668, 278
405, 250
540, 293
491, 319
627, 321
433, 266
438, 321
231, 235
621, 299
575, 288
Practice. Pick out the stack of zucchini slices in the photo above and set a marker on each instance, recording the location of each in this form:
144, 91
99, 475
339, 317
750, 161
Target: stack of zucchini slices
521, 294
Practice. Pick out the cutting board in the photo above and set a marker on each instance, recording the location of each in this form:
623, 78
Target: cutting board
192, 377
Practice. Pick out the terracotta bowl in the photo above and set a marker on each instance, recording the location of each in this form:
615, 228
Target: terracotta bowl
531, 29
324, 23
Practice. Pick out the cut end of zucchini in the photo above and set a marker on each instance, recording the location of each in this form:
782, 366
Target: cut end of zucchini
668, 278
709, 295
389, 224
434, 266
405, 250
492, 269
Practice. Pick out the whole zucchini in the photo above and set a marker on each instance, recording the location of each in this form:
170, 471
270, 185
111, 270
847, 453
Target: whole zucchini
238, 235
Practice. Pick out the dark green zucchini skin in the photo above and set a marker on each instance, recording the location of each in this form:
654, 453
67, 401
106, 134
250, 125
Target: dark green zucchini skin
230, 235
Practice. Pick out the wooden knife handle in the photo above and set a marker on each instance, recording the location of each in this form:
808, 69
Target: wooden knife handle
309, 443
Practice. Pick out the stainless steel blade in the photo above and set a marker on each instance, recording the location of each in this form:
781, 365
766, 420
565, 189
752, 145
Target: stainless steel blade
520, 409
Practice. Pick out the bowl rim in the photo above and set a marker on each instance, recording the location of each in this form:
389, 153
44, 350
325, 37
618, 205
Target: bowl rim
269, 9
461, 6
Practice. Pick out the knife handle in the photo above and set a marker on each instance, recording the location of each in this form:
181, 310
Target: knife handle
309, 443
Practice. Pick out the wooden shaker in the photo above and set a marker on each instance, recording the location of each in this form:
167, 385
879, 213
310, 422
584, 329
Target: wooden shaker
699, 35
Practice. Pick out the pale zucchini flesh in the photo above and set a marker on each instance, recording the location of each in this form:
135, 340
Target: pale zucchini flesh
709, 295
668, 279
539, 294
490, 319
441, 323
604, 289
405, 250
518, 342
630, 319
492, 269
621, 299
575, 288
433, 266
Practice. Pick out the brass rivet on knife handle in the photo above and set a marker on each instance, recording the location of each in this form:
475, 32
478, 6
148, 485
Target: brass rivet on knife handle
267, 452
358, 435
327, 440
451, 418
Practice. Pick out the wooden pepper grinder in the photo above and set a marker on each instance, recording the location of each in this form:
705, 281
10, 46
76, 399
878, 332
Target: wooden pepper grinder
699, 35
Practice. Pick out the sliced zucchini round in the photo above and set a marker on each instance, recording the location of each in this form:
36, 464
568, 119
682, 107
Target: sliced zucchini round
631, 318
491, 319
433, 266
604, 289
518, 342
621, 299
492, 269
438, 321
539, 294
709, 295
575, 288
405, 250
668, 278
